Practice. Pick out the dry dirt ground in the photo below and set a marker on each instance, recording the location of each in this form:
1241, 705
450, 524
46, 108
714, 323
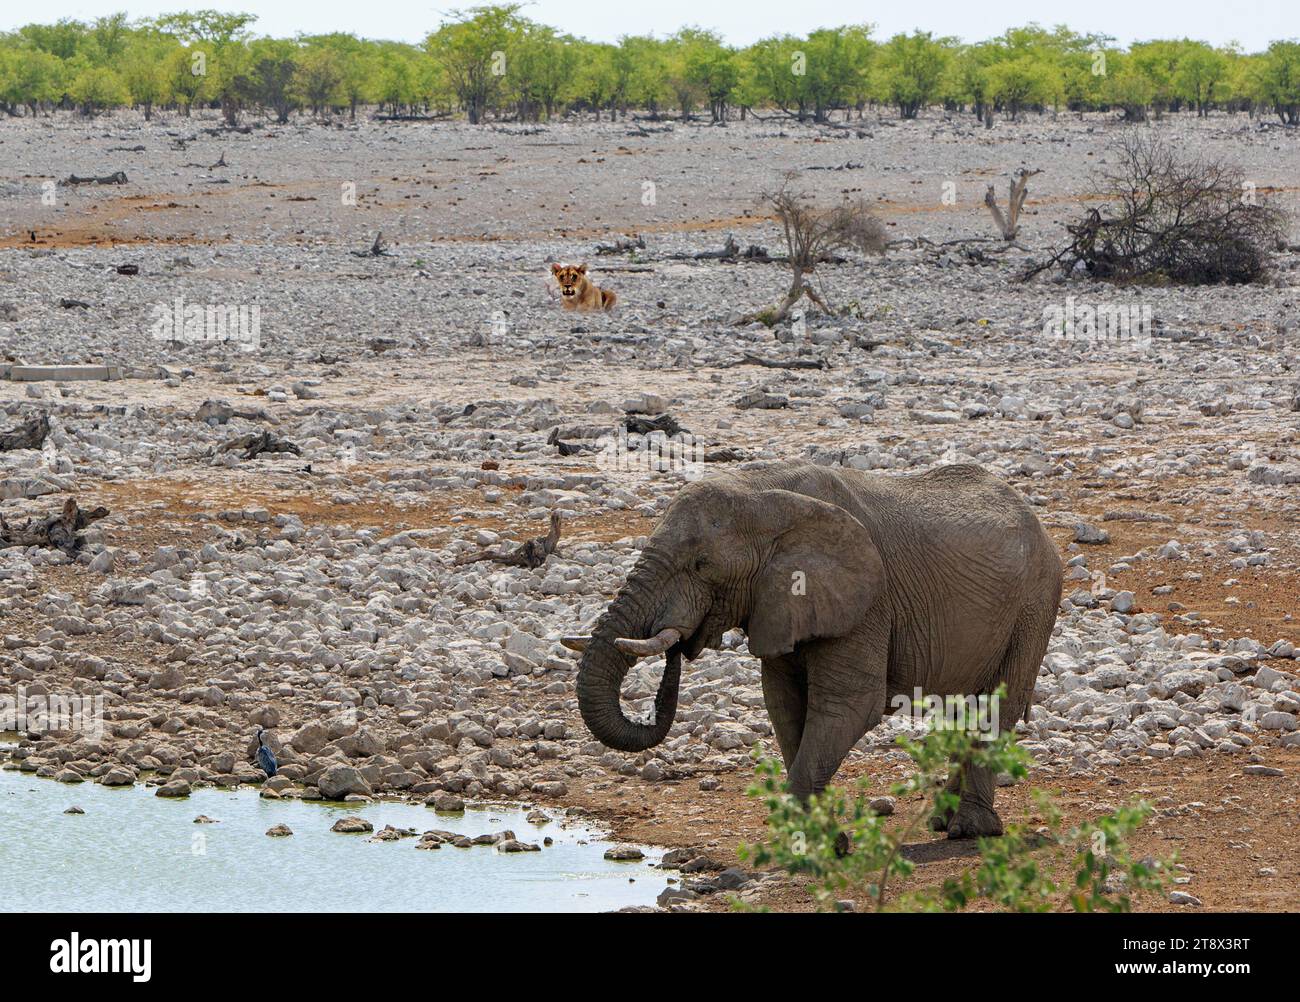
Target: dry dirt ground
503, 201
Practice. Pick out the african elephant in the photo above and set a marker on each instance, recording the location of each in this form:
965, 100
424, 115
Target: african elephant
852, 589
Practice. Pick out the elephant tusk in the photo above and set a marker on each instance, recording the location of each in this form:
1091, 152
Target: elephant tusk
578, 644
657, 644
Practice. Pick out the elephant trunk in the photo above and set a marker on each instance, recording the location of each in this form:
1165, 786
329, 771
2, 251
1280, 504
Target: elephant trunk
601, 675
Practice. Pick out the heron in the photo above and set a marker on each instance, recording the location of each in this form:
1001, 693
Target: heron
265, 757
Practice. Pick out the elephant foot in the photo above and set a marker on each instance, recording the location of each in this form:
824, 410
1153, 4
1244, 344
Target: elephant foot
974, 822
940, 821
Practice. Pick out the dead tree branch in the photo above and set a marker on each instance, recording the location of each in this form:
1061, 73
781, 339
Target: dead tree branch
377, 249
117, 177
257, 442
29, 435
58, 532
530, 554
622, 245
1009, 224
1193, 222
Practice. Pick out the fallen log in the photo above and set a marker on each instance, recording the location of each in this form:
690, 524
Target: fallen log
729, 251
531, 554
566, 448
411, 118
377, 249
57, 532
622, 246
29, 435
215, 412
221, 162
759, 400
257, 442
117, 177
639, 424
782, 363
754, 253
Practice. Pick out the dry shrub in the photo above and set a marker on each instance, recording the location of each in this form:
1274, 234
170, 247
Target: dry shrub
1190, 222
813, 236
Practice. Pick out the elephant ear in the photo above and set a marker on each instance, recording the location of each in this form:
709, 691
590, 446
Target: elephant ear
823, 574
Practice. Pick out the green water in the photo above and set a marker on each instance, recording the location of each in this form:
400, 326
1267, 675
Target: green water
132, 851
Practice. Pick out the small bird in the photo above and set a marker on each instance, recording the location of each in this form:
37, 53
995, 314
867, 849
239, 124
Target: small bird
265, 757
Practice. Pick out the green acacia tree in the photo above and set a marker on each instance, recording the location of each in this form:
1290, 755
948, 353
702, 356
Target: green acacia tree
1157, 62
472, 51
1278, 80
910, 69
596, 80
62, 40
838, 62
357, 65
108, 39
230, 77
28, 76
967, 77
318, 79
397, 85
273, 65
541, 66
643, 61
218, 40
709, 68
95, 88
144, 69
1022, 80
185, 85
1200, 70
775, 73
1128, 87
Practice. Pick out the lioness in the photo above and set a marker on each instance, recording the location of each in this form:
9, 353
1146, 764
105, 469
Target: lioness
577, 291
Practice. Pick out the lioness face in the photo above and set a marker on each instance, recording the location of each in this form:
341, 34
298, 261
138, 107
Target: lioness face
571, 277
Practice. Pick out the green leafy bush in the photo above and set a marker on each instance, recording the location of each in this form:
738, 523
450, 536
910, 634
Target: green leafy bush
1017, 871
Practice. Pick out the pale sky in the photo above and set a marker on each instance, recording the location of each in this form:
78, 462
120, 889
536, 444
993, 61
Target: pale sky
1253, 23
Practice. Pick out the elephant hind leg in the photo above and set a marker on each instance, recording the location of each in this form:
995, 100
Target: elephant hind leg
975, 816
1021, 662
1018, 670
940, 820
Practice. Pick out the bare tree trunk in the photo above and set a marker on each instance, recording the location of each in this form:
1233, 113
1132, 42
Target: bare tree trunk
1008, 225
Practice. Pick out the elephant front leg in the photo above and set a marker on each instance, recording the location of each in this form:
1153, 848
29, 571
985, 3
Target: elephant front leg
846, 698
785, 693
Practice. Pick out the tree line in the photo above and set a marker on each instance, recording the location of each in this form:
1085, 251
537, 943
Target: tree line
492, 63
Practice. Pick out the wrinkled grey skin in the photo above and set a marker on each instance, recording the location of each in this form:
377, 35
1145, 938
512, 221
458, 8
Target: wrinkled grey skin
943, 580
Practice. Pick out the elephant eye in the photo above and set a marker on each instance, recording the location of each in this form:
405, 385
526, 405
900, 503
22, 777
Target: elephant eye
700, 562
